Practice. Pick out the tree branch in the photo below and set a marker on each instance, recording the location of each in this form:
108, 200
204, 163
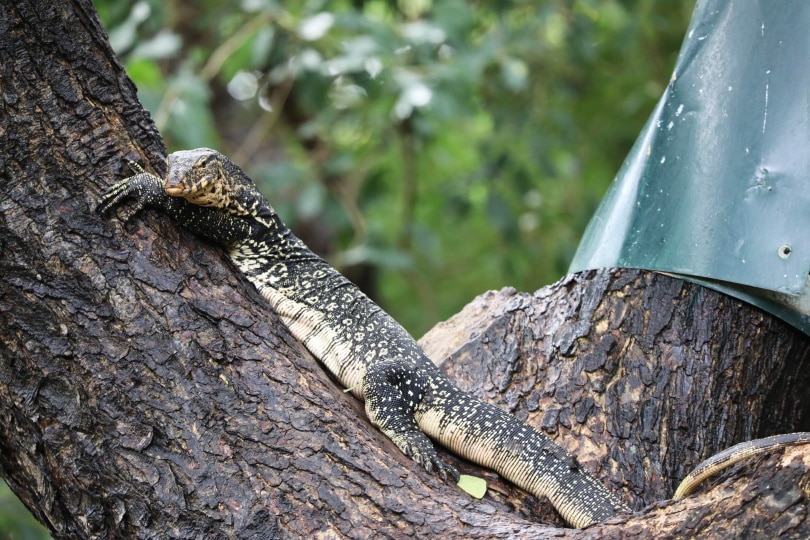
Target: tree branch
146, 390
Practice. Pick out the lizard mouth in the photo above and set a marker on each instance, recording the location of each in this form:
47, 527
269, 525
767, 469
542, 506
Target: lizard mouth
175, 190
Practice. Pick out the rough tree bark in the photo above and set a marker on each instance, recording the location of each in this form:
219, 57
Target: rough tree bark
146, 390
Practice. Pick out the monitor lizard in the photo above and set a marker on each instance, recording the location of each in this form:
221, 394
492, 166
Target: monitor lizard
406, 396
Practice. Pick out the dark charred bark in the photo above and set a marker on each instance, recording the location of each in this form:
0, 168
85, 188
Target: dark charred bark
147, 391
642, 376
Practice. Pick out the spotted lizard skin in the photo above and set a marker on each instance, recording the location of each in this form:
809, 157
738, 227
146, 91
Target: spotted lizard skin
406, 396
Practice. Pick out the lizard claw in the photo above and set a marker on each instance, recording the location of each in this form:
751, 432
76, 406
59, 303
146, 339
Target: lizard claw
418, 447
114, 196
146, 189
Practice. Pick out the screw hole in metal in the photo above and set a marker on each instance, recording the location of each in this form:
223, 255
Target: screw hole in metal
784, 251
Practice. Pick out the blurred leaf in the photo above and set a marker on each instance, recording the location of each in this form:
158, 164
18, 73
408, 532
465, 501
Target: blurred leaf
16, 522
500, 215
475, 486
123, 36
164, 44
144, 73
389, 258
192, 121
310, 201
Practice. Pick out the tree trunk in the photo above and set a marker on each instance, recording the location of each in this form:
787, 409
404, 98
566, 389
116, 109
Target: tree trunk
146, 389
642, 376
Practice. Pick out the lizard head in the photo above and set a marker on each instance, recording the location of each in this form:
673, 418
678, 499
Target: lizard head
199, 176
207, 178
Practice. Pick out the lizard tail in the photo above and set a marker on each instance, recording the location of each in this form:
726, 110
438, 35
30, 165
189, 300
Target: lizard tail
732, 455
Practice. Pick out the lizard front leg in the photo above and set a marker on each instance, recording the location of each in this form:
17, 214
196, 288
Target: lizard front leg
149, 191
144, 188
393, 389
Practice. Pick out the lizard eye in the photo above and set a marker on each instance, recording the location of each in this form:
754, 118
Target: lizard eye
202, 183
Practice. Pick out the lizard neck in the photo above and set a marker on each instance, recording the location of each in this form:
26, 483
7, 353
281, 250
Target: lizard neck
273, 257
315, 302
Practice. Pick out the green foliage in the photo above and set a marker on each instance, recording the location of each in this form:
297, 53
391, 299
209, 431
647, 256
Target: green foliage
16, 523
475, 486
451, 147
